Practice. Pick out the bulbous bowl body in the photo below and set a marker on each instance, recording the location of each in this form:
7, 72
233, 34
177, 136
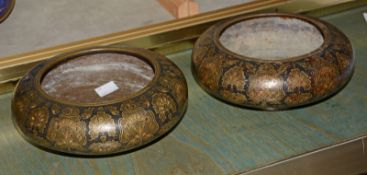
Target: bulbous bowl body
310, 60
100, 128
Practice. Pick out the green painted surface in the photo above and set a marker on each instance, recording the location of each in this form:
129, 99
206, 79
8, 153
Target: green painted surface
214, 137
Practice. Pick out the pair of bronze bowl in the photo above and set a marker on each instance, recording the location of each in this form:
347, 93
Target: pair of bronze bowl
266, 61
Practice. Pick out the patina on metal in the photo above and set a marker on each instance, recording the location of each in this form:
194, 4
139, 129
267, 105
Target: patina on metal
84, 127
273, 60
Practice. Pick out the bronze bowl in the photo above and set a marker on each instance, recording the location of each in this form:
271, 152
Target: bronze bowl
55, 107
272, 61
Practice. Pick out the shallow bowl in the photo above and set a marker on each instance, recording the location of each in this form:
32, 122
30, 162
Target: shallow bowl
55, 105
272, 61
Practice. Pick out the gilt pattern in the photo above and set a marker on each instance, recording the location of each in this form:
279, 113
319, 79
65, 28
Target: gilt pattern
273, 84
104, 129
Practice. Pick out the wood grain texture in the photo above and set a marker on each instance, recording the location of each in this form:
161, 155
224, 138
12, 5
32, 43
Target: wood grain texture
341, 159
214, 137
180, 8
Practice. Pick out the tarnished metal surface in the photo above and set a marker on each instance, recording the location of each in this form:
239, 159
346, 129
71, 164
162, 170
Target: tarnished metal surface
101, 127
215, 138
272, 83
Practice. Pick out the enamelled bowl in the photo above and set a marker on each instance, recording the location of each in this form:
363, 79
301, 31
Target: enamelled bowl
272, 61
55, 105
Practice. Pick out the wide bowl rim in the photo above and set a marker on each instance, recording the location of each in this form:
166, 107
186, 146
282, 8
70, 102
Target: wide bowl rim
211, 61
136, 52
321, 27
30, 106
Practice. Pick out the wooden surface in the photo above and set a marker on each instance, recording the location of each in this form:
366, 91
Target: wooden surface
214, 137
180, 8
345, 158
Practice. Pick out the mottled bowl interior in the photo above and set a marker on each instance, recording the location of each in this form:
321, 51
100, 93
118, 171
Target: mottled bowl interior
272, 38
75, 80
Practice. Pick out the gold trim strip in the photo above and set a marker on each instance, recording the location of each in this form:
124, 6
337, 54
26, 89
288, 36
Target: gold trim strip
157, 36
13, 67
137, 33
343, 158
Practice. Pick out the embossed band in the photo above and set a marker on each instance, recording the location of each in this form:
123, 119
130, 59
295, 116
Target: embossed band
273, 83
105, 127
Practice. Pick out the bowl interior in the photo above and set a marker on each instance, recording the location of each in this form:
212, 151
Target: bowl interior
272, 38
76, 79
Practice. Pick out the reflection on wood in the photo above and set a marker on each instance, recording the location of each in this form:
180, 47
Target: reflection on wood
345, 158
